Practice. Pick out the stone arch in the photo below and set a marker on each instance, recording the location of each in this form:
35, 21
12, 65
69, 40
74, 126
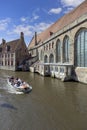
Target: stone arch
66, 47
45, 59
79, 30
58, 51
80, 47
51, 58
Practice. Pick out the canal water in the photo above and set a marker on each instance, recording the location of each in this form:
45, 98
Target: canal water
51, 105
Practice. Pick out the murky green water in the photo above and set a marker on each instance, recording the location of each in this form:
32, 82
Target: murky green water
52, 104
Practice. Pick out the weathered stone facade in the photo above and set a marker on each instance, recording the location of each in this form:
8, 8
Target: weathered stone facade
59, 54
13, 53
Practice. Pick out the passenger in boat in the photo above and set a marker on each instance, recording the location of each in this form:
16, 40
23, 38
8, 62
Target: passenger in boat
23, 84
18, 83
15, 82
11, 79
18, 80
15, 85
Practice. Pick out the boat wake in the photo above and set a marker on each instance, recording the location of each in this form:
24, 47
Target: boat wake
5, 86
18, 85
12, 90
8, 88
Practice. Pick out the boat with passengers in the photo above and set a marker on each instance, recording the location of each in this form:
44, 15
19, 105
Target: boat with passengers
19, 85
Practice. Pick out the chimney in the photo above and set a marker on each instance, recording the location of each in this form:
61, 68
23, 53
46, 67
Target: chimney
51, 33
35, 38
22, 35
3, 41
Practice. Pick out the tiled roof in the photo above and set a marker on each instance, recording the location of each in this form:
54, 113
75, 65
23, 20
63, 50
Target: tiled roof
62, 22
13, 45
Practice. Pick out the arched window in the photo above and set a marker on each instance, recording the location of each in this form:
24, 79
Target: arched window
51, 58
52, 44
81, 48
58, 51
49, 46
66, 49
45, 59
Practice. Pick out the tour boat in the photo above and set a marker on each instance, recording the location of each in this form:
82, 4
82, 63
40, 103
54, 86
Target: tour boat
25, 88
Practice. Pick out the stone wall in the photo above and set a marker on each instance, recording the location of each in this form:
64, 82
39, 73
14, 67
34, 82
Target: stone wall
80, 74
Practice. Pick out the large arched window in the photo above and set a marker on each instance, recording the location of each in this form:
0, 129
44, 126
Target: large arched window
66, 49
45, 59
58, 51
81, 48
51, 58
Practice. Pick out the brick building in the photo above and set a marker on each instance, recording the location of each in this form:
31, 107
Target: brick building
13, 53
62, 48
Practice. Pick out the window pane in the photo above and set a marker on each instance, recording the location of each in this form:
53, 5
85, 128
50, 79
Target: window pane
51, 58
66, 49
81, 49
58, 51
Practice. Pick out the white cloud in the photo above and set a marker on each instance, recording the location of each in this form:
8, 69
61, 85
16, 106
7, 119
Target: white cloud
4, 24
29, 19
29, 29
0, 40
11, 30
55, 10
35, 17
41, 26
23, 19
68, 10
72, 3
20, 28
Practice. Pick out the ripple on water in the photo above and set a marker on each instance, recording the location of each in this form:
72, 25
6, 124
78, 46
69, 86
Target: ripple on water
4, 86
12, 90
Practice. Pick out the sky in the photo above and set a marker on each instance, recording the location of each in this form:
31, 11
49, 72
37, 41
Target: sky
30, 16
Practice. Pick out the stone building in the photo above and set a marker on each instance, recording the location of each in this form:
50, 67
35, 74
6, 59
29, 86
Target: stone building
13, 53
62, 48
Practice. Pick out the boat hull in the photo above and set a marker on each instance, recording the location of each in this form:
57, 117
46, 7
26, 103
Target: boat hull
21, 89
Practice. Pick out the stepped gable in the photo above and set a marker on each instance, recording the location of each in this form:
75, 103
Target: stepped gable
13, 45
62, 22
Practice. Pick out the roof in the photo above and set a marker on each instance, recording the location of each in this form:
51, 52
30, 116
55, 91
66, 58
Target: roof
13, 45
59, 24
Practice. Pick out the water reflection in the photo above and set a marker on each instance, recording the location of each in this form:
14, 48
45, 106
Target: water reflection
7, 105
